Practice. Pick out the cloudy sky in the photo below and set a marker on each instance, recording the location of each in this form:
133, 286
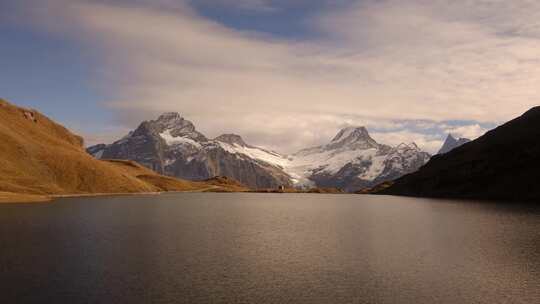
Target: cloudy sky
284, 74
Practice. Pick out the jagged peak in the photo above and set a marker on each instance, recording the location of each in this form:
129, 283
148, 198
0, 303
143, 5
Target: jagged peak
232, 139
451, 137
174, 122
402, 145
411, 145
167, 116
352, 133
170, 124
452, 142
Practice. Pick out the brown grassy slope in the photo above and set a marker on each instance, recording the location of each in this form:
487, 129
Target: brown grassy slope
225, 184
39, 156
9, 197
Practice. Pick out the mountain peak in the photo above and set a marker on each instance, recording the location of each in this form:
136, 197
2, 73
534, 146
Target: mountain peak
354, 136
168, 116
231, 139
351, 133
450, 138
451, 143
406, 146
175, 123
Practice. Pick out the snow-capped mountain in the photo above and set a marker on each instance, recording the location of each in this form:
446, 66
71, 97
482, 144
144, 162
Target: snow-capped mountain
451, 143
351, 161
171, 145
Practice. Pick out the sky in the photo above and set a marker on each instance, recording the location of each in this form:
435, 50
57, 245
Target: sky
284, 74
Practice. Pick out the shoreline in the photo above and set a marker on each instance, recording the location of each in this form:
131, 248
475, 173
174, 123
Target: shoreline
21, 198
18, 198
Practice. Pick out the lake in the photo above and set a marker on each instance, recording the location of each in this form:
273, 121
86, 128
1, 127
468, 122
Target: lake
269, 248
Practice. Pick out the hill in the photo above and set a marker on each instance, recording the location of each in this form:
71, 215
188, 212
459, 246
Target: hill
504, 164
39, 158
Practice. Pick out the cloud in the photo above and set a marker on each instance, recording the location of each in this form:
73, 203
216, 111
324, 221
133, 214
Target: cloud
376, 63
264, 6
459, 60
429, 143
467, 131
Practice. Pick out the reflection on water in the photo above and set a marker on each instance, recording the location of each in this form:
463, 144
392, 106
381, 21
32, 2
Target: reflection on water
266, 248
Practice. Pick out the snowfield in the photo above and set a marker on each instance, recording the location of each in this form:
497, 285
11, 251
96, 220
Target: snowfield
330, 159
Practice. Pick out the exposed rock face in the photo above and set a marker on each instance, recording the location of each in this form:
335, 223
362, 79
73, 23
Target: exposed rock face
171, 145
231, 139
503, 164
351, 161
352, 138
451, 143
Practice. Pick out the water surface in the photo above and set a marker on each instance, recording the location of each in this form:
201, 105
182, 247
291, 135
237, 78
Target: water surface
268, 248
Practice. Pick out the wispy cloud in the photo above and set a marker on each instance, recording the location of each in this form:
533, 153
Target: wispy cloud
468, 131
378, 61
429, 142
264, 6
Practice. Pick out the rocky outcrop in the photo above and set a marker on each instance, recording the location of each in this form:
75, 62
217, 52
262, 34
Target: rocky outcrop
231, 139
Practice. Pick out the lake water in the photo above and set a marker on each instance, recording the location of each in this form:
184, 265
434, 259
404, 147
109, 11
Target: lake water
268, 248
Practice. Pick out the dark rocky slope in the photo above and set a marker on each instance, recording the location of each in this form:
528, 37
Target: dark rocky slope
504, 164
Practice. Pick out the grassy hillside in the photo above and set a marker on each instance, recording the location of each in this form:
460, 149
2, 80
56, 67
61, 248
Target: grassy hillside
40, 157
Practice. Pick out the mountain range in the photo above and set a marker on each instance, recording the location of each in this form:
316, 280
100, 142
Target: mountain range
40, 158
503, 164
352, 160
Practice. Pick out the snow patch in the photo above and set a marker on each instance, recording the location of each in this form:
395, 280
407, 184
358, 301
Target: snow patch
178, 140
271, 158
375, 169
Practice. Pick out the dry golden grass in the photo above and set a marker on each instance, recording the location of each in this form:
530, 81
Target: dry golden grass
225, 184
8, 197
41, 157
378, 188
